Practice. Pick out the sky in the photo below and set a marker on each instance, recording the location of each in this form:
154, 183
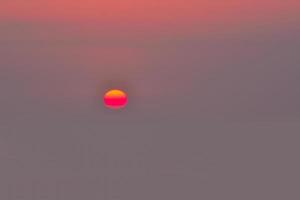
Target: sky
213, 91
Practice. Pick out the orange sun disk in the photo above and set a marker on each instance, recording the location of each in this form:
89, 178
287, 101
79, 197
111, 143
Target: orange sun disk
115, 99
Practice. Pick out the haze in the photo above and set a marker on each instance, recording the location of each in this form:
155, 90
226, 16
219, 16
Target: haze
213, 91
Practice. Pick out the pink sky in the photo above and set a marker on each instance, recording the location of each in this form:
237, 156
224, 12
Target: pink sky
179, 12
74, 48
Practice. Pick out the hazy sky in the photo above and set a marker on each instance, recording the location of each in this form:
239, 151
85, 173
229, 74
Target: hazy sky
213, 91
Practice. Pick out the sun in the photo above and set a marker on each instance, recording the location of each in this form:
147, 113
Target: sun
115, 99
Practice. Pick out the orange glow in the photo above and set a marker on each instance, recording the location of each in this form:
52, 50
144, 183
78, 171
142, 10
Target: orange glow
115, 99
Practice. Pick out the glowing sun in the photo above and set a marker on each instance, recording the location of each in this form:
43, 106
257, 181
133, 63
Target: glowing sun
115, 99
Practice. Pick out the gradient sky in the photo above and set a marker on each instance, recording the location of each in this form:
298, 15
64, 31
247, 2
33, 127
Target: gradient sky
213, 92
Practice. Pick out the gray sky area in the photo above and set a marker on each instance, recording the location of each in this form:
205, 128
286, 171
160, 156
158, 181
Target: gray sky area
213, 110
